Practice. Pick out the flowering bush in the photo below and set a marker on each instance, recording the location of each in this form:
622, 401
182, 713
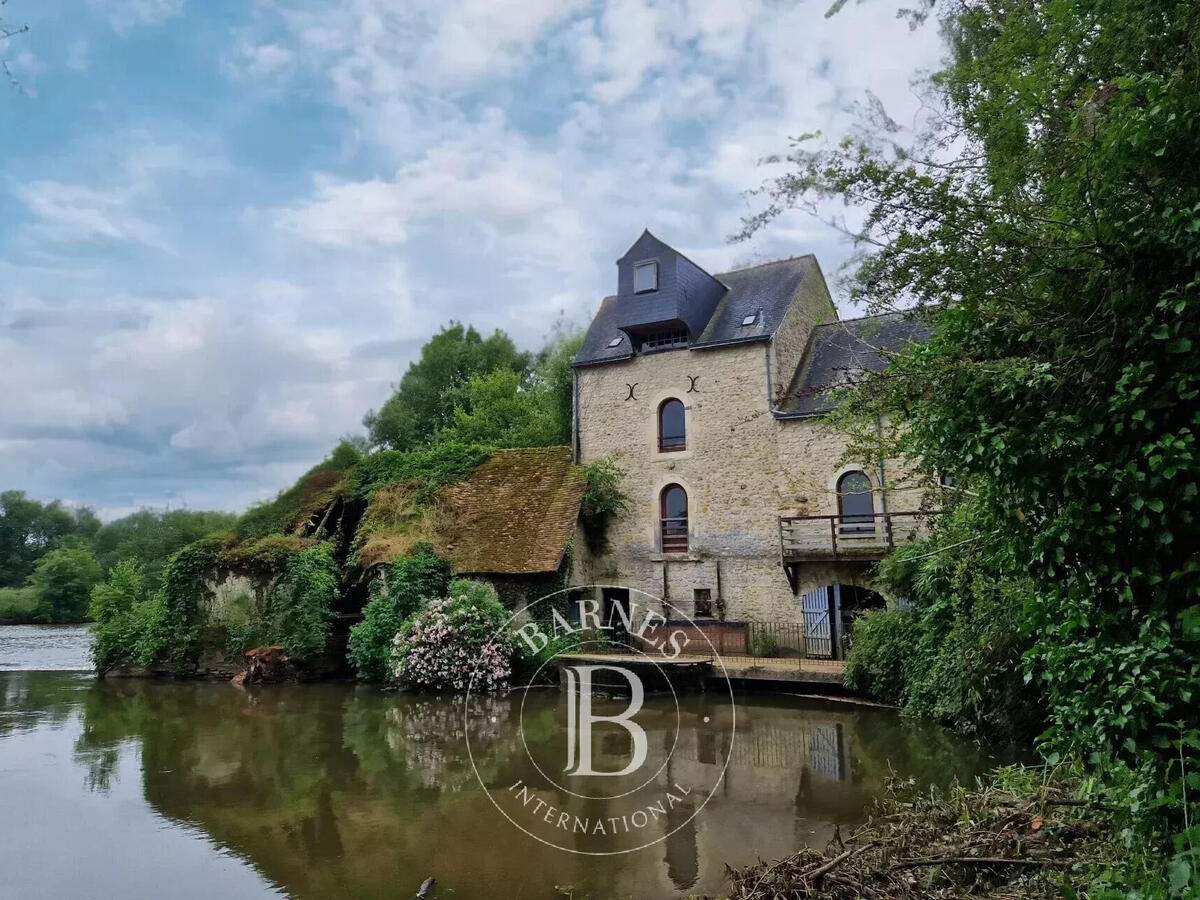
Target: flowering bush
456, 642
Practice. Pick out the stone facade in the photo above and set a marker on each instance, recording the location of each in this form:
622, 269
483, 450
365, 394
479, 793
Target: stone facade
744, 466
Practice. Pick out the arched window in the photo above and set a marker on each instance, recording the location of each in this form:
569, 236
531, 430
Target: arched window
673, 509
856, 503
672, 432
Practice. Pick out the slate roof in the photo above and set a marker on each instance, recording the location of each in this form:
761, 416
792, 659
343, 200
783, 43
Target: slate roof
837, 350
767, 288
513, 515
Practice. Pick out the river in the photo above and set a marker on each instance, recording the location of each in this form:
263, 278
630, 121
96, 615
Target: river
149, 789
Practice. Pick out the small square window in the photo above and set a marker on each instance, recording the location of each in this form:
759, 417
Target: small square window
615, 342
702, 601
750, 319
645, 277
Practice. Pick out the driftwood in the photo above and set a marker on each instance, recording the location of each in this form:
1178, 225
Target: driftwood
263, 664
990, 842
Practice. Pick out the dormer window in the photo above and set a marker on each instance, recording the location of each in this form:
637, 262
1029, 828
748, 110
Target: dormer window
645, 277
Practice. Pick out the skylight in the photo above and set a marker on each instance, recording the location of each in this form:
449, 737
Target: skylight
615, 342
750, 319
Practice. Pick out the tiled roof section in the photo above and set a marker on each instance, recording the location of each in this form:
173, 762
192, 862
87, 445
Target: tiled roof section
602, 332
764, 291
838, 350
768, 288
514, 515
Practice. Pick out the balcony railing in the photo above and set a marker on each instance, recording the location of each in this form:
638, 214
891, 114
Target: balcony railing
832, 537
675, 534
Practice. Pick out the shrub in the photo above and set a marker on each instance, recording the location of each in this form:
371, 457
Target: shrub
408, 585
62, 580
418, 578
455, 642
603, 498
765, 645
371, 639
17, 604
885, 642
129, 620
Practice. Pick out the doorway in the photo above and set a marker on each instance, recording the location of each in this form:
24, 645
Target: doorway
615, 611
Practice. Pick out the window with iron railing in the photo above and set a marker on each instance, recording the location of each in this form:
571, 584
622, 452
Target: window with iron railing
673, 523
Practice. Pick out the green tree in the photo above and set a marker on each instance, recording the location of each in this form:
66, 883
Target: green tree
502, 409
1048, 225
152, 536
427, 395
62, 581
29, 528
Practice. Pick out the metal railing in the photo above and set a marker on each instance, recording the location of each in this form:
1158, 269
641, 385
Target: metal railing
857, 535
675, 534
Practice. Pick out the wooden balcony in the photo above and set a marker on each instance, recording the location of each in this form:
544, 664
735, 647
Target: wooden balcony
824, 538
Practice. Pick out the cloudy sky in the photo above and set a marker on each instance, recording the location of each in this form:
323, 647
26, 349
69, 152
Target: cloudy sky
227, 225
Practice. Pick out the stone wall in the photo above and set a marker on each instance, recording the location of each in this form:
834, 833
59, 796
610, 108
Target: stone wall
742, 469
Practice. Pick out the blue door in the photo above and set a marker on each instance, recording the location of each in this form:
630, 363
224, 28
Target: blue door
817, 622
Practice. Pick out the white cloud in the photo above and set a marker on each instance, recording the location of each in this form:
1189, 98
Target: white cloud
485, 160
125, 15
79, 56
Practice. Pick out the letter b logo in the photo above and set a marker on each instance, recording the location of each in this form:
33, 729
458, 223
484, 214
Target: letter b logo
580, 719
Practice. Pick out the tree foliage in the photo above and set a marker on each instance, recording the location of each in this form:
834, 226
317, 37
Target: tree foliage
151, 536
29, 529
128, 617
62, 582
1048, 225
425, 400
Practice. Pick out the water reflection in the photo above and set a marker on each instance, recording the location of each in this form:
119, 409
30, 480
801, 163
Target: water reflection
333, 791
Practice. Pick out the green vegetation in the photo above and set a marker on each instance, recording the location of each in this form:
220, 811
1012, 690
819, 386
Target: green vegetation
52, 555
130, 618
603, 498
1047, 226
431, 389
410, 583
152, 536
456, 643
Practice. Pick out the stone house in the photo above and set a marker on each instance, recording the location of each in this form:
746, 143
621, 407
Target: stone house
710, 391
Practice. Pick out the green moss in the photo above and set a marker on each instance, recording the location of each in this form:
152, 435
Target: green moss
427, 470
264, 557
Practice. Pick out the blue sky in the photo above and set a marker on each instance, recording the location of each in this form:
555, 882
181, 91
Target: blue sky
226, 227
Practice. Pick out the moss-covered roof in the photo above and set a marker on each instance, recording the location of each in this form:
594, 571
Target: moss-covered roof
513, 515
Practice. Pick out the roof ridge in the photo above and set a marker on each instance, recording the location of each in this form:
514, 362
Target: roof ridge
895, 312
769, 262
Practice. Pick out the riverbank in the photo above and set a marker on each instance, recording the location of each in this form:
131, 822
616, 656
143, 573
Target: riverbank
1020, 832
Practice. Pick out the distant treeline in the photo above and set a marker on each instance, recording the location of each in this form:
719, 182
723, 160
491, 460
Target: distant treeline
52, 555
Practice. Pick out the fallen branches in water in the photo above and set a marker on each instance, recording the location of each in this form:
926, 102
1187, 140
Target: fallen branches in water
1020, 835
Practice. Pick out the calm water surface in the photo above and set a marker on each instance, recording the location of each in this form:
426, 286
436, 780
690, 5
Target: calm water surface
44, 647
139, 789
